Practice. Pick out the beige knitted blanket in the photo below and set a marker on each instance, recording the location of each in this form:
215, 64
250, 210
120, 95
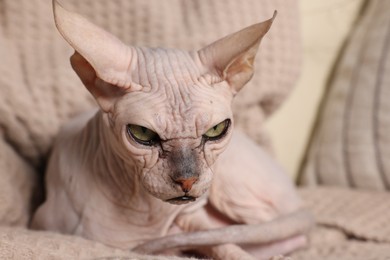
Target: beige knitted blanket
351, 224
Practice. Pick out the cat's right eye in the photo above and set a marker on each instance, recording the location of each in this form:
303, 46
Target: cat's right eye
143, 135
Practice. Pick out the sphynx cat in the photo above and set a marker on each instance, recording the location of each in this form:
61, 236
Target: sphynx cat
141, 172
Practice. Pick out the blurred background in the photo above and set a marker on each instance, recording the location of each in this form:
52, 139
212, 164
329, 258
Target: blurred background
325, 27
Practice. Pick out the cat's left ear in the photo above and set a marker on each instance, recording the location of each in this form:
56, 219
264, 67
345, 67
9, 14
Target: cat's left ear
233, 56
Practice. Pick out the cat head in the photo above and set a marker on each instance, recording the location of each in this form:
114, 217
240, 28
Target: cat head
168, 111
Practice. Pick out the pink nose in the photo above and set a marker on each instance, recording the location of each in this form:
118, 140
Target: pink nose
186, 183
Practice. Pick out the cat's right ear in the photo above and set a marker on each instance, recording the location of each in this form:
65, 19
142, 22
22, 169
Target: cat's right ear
233, 56
102, 61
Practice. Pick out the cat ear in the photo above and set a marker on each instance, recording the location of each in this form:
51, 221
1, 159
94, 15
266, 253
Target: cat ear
102, 61
233, 56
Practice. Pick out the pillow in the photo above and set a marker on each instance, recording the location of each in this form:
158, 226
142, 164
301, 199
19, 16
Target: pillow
351, 142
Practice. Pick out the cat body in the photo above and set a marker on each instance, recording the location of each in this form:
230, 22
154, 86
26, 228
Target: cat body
97, 202
145, 164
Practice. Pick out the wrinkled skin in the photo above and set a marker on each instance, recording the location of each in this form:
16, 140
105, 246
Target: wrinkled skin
180, 105
105, 185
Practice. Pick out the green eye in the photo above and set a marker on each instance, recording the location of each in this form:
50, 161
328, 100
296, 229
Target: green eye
143, 135
217, 131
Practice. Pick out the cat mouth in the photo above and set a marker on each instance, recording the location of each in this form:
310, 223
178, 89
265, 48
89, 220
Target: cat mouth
181, 200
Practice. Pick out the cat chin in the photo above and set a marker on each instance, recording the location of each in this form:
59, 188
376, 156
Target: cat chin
181, 200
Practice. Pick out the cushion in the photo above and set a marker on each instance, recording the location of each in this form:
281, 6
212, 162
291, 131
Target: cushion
351, 224
351, 142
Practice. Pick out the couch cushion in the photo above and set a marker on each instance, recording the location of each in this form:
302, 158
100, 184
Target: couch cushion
351, 224
351, 142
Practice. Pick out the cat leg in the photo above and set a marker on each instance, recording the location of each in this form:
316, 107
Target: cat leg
51, 217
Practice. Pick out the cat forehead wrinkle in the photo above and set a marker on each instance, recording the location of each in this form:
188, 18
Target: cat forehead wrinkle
172, 73
158, 67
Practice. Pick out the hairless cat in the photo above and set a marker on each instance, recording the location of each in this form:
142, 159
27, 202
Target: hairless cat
141, 172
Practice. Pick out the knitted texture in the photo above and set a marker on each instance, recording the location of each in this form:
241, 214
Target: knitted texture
351, 224
16, 186
18, 243
331, 244
361, 215
351, 143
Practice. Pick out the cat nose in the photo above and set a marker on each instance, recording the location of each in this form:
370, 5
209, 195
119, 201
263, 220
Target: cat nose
186, 183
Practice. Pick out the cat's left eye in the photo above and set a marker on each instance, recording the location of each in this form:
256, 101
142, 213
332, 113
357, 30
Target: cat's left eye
143, 135
217, 131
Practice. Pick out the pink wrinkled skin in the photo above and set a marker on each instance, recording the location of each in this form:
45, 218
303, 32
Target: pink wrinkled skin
104, 185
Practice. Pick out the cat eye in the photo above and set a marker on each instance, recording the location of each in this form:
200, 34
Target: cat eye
217, 131
143, 135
